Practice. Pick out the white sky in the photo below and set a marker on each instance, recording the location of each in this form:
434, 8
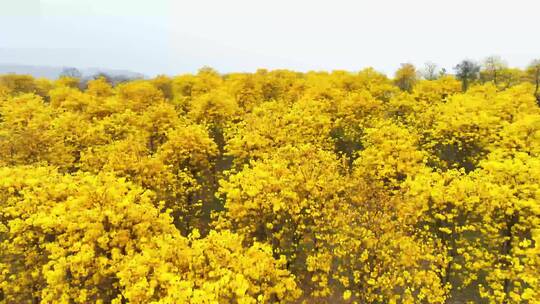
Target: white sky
177, 36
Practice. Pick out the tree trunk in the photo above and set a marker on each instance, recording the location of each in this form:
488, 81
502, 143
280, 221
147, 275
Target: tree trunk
507, 250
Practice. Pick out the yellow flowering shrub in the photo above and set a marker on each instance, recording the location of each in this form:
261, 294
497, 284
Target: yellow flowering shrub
99, 87
27, 134
432, 91
332, 229
270, 126
270, 187
391, 154
215, 107
98, 238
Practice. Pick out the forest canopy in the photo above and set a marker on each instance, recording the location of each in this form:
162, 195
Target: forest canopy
273, 187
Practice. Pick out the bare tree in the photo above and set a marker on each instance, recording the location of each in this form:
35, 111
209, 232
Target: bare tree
491, 69
430, 71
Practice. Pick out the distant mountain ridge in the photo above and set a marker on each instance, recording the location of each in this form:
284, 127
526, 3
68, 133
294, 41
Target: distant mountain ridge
53, 72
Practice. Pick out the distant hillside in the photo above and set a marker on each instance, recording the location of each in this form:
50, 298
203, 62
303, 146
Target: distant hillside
53, 72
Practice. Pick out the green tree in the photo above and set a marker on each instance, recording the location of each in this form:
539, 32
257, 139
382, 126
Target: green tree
467, 71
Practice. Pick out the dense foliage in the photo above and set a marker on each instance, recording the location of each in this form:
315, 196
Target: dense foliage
273, 186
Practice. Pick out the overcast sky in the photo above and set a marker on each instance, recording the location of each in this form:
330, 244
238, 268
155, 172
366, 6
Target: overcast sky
177, 36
